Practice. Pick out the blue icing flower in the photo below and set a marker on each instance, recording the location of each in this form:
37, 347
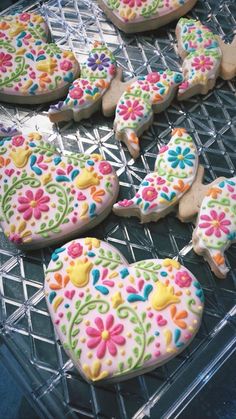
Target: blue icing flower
181, 157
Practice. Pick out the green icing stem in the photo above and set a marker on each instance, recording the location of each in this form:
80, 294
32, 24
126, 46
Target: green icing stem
123, 312
59, 265
223, 201
51, 188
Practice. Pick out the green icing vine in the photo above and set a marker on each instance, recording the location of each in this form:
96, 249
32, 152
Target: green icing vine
223, 201
124, 312
108, 259
8, 46
147, 270
77, 159
191, 303
63, 210
45, 148
82, 310
20, 61
57, 267
186, 139
9, 191
148, 11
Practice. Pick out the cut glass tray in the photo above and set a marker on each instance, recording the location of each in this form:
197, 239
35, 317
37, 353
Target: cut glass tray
28, 344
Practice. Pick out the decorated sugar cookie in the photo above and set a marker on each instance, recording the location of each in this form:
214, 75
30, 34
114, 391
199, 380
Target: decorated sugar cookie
117, 320
175, 170
205, 57
32, 71
134, 112
144, 15
215, 229
46, 197
85, 94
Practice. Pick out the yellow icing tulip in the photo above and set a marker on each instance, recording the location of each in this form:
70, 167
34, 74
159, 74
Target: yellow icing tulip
86, 179
47, 66
94, 373
46, 178
163, 296
117, 300
20, 156
16, 28
79, 272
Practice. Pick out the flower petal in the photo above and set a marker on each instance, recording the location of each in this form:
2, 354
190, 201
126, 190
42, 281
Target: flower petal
109, 321
93, 343
111, 347
99, 323
91, 331
101, 349
119, 340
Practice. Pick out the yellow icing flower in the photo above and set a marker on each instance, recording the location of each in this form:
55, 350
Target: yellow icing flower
117, 299
46, 178
86, 178
37, 18
34, 136
69, 55
92, 242
16, 28
79, 272
127, 14
20, 156
48, 66
170, 262
19, 235
163, 296
94, 372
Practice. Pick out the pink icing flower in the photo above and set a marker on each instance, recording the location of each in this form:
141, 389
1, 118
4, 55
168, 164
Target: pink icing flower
24, 17
131, 109
66, 65
105, 336
133, 3
183, 279
215, 223
75, 250
76, 92
105, 168
5, 61
18, 141
202, 63
153, 77
125, 203
149, 193
33, 205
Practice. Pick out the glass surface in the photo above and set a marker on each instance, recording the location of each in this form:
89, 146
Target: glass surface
38, 361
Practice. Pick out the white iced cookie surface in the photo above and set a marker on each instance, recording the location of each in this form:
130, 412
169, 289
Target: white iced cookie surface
46, 197
216, 226
117, 320
32, 70
175, 170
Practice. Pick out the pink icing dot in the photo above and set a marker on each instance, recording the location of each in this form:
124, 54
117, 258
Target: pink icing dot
157, 353
74, 220
81, 294
57, 321
60, 315
150, 314
157, 345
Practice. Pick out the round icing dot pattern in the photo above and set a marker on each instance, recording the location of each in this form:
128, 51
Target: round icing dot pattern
114, 319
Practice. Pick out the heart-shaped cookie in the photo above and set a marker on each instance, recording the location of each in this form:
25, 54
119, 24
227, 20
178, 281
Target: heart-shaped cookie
144, 15
117, 320
32, 71
46, 197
